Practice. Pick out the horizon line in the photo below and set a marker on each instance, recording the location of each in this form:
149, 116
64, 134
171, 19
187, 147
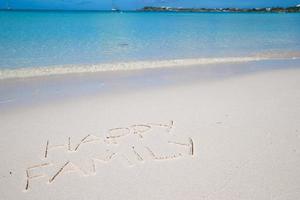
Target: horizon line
133, 10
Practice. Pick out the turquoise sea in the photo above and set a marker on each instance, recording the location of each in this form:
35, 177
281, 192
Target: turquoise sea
34, 44
37, 39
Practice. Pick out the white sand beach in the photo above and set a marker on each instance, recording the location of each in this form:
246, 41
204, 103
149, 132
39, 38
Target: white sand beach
215, 137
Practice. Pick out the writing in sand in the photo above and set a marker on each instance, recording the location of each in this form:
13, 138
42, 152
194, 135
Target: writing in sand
131, 145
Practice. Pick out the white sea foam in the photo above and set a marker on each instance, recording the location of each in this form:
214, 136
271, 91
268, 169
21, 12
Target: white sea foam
73, 69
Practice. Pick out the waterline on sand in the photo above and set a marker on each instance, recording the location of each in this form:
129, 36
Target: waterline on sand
74, 69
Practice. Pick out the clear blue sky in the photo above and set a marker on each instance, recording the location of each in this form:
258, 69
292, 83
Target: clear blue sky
134, 4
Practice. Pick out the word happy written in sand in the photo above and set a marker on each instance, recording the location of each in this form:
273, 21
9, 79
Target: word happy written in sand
130, 145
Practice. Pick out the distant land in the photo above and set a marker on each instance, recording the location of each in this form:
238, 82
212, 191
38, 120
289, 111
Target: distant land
294, 9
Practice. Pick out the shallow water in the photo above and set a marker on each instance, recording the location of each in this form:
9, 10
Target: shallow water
35, 39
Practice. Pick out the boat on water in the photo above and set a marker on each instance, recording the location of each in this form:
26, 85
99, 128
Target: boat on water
114, 7
115, 10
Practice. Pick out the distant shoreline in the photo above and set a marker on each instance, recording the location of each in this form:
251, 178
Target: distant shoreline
295, 9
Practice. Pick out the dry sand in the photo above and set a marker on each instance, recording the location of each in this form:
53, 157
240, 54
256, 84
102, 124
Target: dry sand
232, 138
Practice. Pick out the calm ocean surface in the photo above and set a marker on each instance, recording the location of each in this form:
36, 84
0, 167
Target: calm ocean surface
31, 39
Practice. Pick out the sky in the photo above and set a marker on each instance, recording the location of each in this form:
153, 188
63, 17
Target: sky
136, 4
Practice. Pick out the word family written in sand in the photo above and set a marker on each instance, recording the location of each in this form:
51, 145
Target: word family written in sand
129, 146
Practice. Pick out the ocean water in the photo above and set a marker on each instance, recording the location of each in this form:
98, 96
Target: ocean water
43, 39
